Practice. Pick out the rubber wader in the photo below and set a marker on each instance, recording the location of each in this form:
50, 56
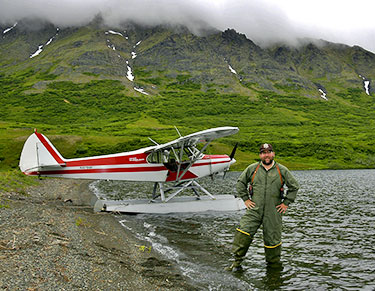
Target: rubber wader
273, 256
241, 244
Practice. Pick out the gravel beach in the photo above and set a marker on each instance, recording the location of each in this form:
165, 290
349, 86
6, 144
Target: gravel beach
51, 239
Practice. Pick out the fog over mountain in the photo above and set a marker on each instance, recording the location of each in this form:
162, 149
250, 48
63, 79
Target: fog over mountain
265, 22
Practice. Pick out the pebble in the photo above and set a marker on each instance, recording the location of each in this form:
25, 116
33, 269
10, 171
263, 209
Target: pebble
51, 239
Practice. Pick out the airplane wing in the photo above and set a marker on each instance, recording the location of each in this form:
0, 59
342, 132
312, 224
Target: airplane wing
198, 137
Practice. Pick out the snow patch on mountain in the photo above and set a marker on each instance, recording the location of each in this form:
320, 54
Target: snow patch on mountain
366, 84
38, 51
40, 47
129, 73
141, 90
232, 70
10, 28
114, 32
117, 33
367, 87
323, 94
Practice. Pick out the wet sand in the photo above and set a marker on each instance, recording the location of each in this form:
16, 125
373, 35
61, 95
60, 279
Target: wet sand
51, 239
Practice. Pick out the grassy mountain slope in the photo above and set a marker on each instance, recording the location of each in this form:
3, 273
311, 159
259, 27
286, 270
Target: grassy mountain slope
76, 91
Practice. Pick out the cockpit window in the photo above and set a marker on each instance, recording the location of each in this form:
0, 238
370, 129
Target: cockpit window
154, 158
173, 155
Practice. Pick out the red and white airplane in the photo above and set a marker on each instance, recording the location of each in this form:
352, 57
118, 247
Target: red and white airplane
178, 162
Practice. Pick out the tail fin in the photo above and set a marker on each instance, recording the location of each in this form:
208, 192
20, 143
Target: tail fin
39, 152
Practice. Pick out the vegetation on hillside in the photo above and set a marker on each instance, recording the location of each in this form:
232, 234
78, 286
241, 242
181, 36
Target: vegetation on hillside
99, 117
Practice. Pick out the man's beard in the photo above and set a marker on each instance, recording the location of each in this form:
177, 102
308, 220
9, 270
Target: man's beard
267, 163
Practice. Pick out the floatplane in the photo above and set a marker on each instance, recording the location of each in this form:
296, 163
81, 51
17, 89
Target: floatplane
173, 167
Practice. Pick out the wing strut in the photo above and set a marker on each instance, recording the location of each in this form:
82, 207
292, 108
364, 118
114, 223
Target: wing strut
178, 131
192, 161
204, 190
180, 162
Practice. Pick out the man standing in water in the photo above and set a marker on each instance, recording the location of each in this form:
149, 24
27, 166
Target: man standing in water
265, 203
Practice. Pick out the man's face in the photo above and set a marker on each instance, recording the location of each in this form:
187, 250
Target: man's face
267, 157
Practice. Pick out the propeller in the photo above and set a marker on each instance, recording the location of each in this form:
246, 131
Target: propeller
233, 151
231, 156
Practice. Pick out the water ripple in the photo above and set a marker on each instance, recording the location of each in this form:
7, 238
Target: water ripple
328, 235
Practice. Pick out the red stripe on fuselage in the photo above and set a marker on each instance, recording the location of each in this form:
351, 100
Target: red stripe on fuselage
206, 164
118, 160
212, 160
95, 171
129, 159
206, 157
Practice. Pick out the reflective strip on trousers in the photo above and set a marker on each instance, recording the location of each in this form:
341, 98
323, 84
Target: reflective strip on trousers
244, 232
272, 247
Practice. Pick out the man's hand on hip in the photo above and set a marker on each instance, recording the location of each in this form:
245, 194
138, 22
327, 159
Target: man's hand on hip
249, 204
281, 208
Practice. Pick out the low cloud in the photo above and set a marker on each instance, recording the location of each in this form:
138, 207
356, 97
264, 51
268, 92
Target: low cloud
261, 21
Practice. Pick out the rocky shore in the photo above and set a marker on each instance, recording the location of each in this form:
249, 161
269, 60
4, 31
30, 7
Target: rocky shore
51, 239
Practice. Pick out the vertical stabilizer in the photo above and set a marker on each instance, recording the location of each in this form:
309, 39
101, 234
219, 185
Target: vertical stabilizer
38, 152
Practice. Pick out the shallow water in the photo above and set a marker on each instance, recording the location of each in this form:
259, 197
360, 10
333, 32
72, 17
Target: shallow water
328, 235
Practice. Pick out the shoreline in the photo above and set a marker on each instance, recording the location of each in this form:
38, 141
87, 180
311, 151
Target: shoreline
51, 238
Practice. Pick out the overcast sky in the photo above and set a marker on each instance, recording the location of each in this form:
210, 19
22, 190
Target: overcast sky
263, 21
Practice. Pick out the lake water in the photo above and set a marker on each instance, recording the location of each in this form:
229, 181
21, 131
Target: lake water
328, 235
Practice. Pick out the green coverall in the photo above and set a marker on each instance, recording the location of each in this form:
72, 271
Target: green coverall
266, 196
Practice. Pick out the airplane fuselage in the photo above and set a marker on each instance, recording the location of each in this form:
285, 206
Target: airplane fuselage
129, 166
132, 167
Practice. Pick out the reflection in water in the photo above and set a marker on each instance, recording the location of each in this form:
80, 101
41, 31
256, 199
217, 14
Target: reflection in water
328, 235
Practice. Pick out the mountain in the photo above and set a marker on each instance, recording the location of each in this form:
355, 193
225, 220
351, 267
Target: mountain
315, 98
225, 60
